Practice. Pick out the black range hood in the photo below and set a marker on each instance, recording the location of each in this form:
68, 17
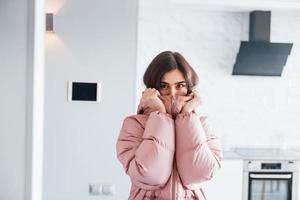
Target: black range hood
259, 56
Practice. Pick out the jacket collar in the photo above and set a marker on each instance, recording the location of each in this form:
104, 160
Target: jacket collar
173, 105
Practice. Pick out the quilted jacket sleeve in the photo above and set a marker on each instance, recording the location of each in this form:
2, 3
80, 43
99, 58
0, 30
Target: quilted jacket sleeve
198, 152
146, 152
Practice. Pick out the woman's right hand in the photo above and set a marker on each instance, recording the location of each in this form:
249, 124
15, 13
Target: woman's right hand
152, 101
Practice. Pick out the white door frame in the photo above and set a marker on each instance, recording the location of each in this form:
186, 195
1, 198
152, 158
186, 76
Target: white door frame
35, 100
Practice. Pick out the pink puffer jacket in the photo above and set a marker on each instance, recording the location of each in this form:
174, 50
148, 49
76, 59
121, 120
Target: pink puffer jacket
167, 155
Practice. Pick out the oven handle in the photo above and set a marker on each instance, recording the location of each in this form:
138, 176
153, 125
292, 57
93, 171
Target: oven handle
272, 176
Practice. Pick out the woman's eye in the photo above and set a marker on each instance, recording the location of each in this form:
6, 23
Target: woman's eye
180, 86
163, 86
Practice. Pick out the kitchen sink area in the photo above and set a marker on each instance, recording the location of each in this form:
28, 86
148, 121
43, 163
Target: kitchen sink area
263, 153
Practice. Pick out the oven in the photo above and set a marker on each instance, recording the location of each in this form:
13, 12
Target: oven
270, 180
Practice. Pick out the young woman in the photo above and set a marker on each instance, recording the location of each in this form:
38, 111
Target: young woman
167, 149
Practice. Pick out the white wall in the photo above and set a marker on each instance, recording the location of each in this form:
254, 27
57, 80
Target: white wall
246, 111
93, 41
13, 35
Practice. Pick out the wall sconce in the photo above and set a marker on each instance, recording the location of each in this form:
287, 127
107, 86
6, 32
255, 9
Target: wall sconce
49, 22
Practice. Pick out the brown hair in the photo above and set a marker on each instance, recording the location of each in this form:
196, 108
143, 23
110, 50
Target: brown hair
165, 62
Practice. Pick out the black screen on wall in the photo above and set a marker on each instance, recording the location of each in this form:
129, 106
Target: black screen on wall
84, 91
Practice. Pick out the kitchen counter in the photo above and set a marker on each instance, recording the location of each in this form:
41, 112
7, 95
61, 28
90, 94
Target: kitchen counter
261, 154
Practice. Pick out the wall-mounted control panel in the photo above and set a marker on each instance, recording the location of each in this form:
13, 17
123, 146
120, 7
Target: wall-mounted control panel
80, 91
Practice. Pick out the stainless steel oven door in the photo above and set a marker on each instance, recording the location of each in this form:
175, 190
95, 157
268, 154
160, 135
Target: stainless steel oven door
270, 186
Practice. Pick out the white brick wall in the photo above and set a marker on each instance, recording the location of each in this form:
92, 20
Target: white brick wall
246, 111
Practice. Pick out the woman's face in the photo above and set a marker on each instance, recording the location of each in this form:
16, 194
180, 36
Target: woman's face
173, 84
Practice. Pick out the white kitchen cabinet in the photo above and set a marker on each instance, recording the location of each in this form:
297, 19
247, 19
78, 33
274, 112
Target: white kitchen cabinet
227, 183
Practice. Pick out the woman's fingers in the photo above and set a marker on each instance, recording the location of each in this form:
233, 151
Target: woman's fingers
156, 92
196, 94
150, 93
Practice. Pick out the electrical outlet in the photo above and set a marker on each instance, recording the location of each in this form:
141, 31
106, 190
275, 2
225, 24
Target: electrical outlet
99, 189
95, 189
109, 189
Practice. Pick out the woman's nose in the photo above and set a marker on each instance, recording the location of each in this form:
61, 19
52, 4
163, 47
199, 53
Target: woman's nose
173, 92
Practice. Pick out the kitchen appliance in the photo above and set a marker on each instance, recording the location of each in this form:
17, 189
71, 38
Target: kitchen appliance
259, 56
270, 180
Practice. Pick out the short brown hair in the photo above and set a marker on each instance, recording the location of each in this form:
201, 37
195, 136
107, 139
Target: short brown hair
165, 62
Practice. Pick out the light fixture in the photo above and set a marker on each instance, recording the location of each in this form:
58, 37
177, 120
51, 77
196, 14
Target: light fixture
49, 22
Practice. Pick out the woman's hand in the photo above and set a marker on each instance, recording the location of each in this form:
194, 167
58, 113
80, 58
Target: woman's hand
192, 104
152, 101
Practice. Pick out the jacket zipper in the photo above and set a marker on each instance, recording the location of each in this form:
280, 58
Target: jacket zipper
173, 194
173, 182
173, 105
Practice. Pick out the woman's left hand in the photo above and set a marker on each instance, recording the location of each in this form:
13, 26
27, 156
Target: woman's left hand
192, 104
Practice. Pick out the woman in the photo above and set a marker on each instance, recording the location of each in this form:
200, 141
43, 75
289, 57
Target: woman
167, 149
